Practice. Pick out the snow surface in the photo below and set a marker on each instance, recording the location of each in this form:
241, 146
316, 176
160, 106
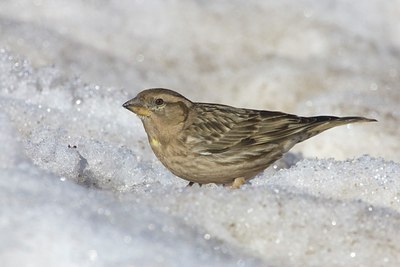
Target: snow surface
79, 185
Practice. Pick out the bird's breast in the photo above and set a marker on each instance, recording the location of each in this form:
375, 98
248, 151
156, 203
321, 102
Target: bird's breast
154, 142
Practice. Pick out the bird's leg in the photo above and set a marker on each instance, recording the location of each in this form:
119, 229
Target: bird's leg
238, 182
192, 183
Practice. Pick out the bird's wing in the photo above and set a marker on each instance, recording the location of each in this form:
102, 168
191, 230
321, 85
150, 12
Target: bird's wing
219, 129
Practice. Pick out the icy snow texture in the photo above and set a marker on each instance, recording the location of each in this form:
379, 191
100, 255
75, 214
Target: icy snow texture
79, 185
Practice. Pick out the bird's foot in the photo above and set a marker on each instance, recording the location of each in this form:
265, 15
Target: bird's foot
238, 182
190, 184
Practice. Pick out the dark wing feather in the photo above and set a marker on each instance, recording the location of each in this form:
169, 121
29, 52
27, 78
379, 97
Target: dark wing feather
232, 135
219, 129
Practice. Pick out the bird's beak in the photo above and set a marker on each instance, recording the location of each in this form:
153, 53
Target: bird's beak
137, 107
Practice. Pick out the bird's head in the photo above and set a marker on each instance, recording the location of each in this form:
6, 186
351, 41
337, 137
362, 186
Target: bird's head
160, 105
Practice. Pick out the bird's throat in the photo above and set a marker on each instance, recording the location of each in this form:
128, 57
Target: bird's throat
141, 111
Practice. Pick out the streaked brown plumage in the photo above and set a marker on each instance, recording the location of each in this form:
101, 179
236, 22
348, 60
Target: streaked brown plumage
211, 143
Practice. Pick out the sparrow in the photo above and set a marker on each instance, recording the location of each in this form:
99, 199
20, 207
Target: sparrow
213, 143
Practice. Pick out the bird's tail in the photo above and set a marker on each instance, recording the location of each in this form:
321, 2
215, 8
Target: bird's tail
318, 124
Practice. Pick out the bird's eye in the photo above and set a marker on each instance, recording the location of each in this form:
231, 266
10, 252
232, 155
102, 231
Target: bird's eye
159, 102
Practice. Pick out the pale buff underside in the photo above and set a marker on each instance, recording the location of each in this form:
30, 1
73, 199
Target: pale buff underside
211, 168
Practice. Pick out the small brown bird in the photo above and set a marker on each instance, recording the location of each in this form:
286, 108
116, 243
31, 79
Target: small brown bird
211, 143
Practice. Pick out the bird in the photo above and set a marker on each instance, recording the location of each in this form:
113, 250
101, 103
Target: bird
213, 143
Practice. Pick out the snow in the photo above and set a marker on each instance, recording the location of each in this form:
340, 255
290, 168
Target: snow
79, 185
